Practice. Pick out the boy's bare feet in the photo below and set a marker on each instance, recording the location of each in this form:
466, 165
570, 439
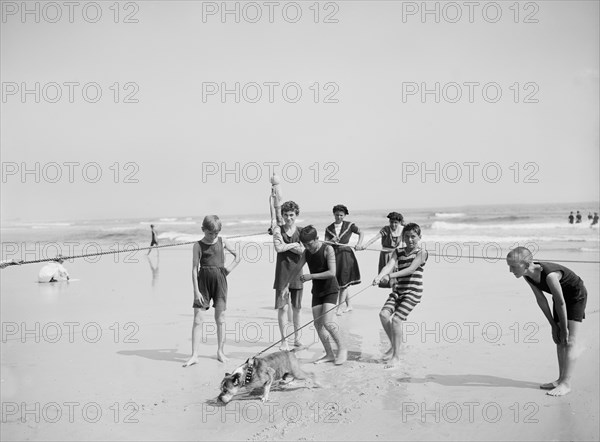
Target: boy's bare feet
549, 385
221, 357
325, 358
342, 356
388, 354
348, 309
298, 344
392, 363
284, 346
191, 361
560, 390
339, 312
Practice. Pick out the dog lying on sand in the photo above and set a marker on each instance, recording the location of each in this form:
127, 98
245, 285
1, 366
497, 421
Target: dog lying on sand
263, 371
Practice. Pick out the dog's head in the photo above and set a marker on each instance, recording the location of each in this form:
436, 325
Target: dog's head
231, 384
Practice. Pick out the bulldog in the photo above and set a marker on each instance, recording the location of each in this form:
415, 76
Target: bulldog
262, 371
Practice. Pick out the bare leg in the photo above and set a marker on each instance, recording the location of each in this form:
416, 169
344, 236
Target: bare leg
220, 320
333, 328
296, 317
281, 319
569, 356
196, 330
396, 329
340, 302
323, 335
386, 321
290, 314
553, 385
346, 298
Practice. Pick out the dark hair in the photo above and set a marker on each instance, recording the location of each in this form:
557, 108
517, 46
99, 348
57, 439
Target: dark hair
395, 216
211, 223
340, 208
411, 227
308, 233
290, 206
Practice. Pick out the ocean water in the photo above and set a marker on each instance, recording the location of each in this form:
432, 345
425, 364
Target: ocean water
474, 230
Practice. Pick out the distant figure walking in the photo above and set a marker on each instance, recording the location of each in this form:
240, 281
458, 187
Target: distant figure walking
595, 220
154, 241
571, 218
578, 218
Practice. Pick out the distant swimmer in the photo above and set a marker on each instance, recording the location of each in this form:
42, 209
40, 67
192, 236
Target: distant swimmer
154, 241
571, 218
53, 272
595, 220
578, 218
590, 217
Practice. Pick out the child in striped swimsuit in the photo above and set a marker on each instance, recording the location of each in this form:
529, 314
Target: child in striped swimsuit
407, 283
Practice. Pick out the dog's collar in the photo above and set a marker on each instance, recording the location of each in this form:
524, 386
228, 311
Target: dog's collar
249, 371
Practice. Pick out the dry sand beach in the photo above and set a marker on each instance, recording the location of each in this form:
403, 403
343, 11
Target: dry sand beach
100, 359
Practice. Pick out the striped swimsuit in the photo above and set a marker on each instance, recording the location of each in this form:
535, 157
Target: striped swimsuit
407, 290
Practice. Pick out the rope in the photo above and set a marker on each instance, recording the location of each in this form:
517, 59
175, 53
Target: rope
383, 249
308, 323
487, 258
108, 252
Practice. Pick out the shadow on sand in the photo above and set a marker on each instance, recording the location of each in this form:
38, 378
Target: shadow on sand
470, 380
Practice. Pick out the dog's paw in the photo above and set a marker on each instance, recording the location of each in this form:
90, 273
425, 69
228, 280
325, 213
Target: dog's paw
264, 398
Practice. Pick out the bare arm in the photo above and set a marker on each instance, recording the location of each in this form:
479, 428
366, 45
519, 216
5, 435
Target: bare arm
236, 259
197, 252
389, 267
361, 236
297, 268
419, 259
281, 246
553, 280
369, 242
543, 303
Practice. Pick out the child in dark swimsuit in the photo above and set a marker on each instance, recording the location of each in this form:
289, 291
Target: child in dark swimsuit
320, 258
209, 278
569, 297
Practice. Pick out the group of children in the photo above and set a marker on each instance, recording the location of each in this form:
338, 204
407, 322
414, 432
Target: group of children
333, 268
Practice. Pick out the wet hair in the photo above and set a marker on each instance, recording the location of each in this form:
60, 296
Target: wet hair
521, 254
308, 233
340, 208
290, 206
411, 227
211, 223
395, 216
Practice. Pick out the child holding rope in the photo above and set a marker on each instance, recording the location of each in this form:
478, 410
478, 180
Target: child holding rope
391, 238
569, 297
209, 279
405, 270
347, 272
320, 258
287, 284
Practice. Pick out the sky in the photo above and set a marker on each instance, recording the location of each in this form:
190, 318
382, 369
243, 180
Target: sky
183, 108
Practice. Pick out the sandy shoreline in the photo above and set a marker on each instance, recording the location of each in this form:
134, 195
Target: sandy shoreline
113, 343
